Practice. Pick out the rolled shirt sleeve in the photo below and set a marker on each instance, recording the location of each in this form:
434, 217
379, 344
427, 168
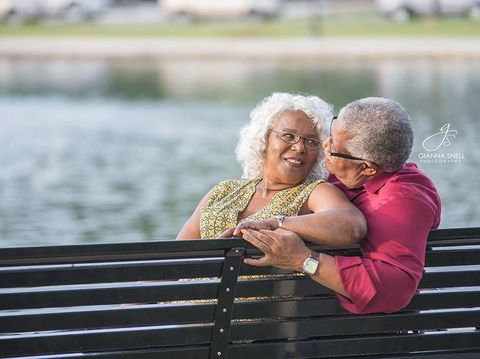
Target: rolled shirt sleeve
387, 275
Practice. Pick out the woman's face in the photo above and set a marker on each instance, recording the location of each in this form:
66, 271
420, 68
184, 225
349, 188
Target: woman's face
288, 163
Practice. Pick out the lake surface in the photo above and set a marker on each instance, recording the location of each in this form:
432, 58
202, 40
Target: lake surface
107, 151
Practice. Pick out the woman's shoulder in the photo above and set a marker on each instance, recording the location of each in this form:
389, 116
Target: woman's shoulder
313, 182
321, 188
325, 192
228, 187
229, 184
321, 185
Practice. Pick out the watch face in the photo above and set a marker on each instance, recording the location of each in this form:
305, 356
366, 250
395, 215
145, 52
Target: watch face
310, 266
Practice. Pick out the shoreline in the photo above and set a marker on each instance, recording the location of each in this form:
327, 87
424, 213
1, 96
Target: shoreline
241, 48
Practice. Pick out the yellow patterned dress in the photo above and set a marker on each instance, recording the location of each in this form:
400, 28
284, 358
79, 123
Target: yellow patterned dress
231, 197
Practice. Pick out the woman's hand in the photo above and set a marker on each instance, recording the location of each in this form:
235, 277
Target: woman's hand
270, 224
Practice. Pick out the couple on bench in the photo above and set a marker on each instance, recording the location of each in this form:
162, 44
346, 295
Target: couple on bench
334, 181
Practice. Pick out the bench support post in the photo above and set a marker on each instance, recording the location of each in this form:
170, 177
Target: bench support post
224, 308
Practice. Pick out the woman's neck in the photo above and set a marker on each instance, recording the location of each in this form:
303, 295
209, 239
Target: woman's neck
267, 186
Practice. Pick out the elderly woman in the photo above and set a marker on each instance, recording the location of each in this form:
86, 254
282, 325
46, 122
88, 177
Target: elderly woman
283, 179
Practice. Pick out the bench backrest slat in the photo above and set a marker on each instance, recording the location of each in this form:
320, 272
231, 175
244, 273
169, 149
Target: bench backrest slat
81, 295
342, 326
453, 257
384, 346
115, 252
107, 272
186, 352
104, 340
452, 277
107, 317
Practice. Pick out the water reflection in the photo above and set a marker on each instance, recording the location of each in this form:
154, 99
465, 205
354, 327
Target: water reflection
97, 151
233, 81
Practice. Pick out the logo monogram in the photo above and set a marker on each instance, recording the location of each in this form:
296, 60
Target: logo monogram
439, 139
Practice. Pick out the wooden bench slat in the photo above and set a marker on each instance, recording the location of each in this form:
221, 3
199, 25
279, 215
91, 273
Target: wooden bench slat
445, 298
454, 256
116, 251
454, 234
103, 339
329, 305
202, 353
198, 352
355, 347
108, 272
187, 352
343, 326
110, 317
462, 276
81, 295
437, 355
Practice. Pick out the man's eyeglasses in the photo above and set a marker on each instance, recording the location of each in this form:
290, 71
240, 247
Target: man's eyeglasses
338, 154
292, 138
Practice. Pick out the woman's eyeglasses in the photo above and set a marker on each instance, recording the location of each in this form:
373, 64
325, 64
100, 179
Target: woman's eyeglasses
292, 138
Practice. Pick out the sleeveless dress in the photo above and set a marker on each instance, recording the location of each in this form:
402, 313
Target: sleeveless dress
231, 197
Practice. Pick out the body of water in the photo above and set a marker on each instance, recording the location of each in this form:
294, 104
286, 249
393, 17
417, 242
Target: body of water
107, 151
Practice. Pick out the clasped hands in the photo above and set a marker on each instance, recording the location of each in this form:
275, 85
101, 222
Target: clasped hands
282, 248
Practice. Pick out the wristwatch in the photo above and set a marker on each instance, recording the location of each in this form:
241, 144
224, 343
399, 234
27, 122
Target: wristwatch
280, 218
310, 265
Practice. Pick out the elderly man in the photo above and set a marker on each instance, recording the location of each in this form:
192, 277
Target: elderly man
366, 156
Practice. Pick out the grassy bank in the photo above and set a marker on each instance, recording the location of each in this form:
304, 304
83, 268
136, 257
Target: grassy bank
333, 26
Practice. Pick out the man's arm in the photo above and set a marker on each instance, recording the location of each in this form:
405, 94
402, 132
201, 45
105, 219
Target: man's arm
386, 278
385, 281
335, 221
285, 249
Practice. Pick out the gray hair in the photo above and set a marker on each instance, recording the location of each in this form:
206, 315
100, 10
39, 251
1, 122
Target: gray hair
253, 137
381, 131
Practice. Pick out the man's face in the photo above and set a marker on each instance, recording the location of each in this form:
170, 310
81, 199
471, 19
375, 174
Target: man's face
348, 171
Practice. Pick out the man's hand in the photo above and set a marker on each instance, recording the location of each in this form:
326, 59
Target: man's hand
282, 249
270, 224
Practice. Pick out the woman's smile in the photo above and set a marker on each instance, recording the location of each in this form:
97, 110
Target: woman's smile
295, 161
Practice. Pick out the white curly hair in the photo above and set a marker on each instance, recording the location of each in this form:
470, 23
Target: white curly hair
253, 137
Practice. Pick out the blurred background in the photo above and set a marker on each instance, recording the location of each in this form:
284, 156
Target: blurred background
116, 117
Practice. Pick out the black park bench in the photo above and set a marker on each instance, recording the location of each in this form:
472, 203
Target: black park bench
196, 299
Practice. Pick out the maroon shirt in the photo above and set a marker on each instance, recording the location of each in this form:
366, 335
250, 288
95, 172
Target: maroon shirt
400, 207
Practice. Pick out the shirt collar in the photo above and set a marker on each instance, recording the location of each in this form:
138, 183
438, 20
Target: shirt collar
373, 185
